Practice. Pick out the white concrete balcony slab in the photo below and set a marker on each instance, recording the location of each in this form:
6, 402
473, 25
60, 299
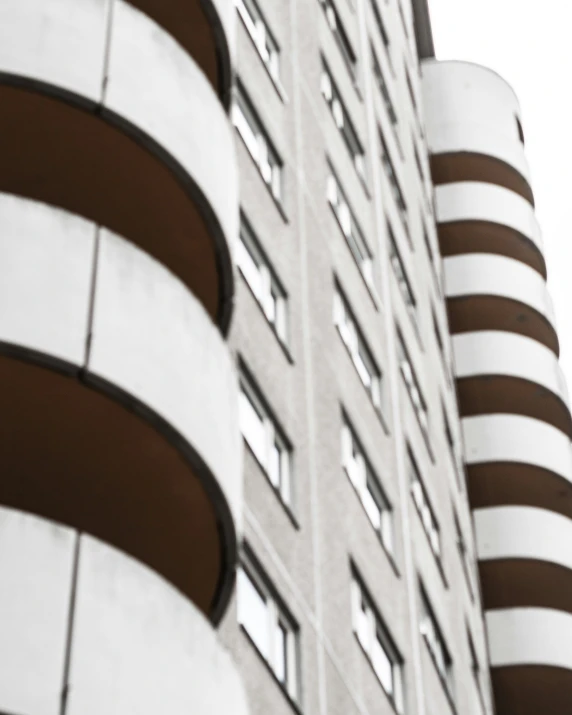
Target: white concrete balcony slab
525, 557
473, 126
106, 115
513, 459
499, 372
531, 660
476, 217
205, 29
119, 398
127, 641
490, 292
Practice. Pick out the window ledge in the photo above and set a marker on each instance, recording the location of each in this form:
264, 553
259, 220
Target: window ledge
390, 700
293, 704
276, 82
277, 202
283, 345
448, 695
287, 508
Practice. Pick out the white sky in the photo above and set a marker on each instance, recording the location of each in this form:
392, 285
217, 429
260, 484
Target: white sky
530, 44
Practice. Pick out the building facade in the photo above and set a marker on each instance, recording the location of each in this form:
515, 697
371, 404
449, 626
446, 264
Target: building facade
286, 428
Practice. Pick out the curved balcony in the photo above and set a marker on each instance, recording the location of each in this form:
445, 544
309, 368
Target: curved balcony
513, 459
508, 373
111, 119
524, 557
488, 292
531, 660
112, 376
126, 642
473, 127
474, 217
203, 28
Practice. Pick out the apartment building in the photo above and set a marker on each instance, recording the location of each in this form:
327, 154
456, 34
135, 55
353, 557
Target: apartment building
286, 428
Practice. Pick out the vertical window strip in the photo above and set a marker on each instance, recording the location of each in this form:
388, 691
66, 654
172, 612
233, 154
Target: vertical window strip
358, 349
376, 642
257, 143
341, 36
383, 89
272, 630
413, 389
433, 636
261, 36
402, 278
343, 122
262, 280
351, 230
423, 506
391, 174
367, 485
381, 28
265, 439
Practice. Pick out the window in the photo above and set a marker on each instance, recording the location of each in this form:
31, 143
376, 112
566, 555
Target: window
417, 160
264, 438
380, 27
431, 255
423, 506
519, 129
270, 628
410, 87
475, 665
257, 142
366, 484
261, 36
343, 122
402, 279
389, 170
433, 636
440, 345
341, 36
463, 550
359, 352
412, 384
262, 280
351, 230
376, 642
448, 433
384, 91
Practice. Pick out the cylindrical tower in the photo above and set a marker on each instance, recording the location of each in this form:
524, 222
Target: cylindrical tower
118, 210
512, 395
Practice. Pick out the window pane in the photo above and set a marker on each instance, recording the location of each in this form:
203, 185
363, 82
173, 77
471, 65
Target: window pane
253, 613
250, 269
372, 507
252, 428
382, 665
246, 131
362, 624
281, 655
275, 464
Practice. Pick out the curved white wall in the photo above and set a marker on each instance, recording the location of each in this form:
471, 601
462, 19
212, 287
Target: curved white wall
154, 340
523, 532
486, 274
156, 86
518, 439
469, 108
138, 77
490, 352
477, 201
530, 636
137, 645
150, 337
